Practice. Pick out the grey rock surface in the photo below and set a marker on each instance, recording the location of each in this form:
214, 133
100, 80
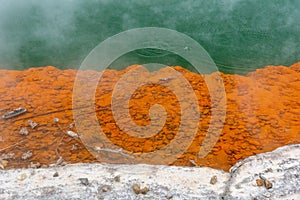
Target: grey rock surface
104, 181
280, 167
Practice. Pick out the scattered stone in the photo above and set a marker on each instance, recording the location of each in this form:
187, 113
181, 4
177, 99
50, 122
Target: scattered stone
3, 163
22, 177
193, 162
26, 155
72, 134
105, 188
169, 196
34, 165
84, 181
32, 124
56, 120
74, 147
136, 188
260, 182
14, 113
117, 178
60, 162
6, 156
269, 170
284, 163
24, 131
262, 177
213, 180
144, 190
71, 125
55, 174
100, 198
268, 184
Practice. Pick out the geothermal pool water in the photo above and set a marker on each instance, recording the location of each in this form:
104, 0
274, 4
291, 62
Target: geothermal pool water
232, 91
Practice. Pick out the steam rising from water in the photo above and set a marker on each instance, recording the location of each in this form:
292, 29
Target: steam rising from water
240, 35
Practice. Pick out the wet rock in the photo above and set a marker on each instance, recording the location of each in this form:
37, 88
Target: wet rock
34, 165
32, 124
60, 162
6, 156
26, 155
24, 131
72, 134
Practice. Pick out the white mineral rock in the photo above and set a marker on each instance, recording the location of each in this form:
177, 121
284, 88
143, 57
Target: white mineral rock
24, 131
281, 167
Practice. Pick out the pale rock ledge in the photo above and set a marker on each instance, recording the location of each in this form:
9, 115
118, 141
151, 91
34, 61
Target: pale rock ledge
280, 167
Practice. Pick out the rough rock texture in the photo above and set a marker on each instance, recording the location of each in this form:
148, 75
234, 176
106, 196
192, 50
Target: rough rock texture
96, 181
280, 167
102, 181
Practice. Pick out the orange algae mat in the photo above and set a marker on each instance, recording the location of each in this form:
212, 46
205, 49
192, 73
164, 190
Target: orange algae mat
262, 113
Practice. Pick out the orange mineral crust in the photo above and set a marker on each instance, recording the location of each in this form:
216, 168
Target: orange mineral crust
262, 113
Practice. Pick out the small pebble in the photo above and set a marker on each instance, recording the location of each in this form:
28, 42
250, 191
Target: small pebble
6, 156
24, 131
71, 125
213, 180
193, 163
260, 182
262, 177
117, 178
55, 174
34, 165
136, 188
144, 190
105, 188
3, 163
268, 184
22, 177
74, 147
26, 155
72, 134
84, 181
56, 120
32, 124
59, 161
170, 196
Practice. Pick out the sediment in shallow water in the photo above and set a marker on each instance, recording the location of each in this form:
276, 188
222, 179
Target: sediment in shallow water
262, 113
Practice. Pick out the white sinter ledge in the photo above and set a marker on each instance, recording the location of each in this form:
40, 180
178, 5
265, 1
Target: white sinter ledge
280, 167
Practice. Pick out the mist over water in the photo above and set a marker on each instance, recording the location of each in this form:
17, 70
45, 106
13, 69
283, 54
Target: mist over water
240, 35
